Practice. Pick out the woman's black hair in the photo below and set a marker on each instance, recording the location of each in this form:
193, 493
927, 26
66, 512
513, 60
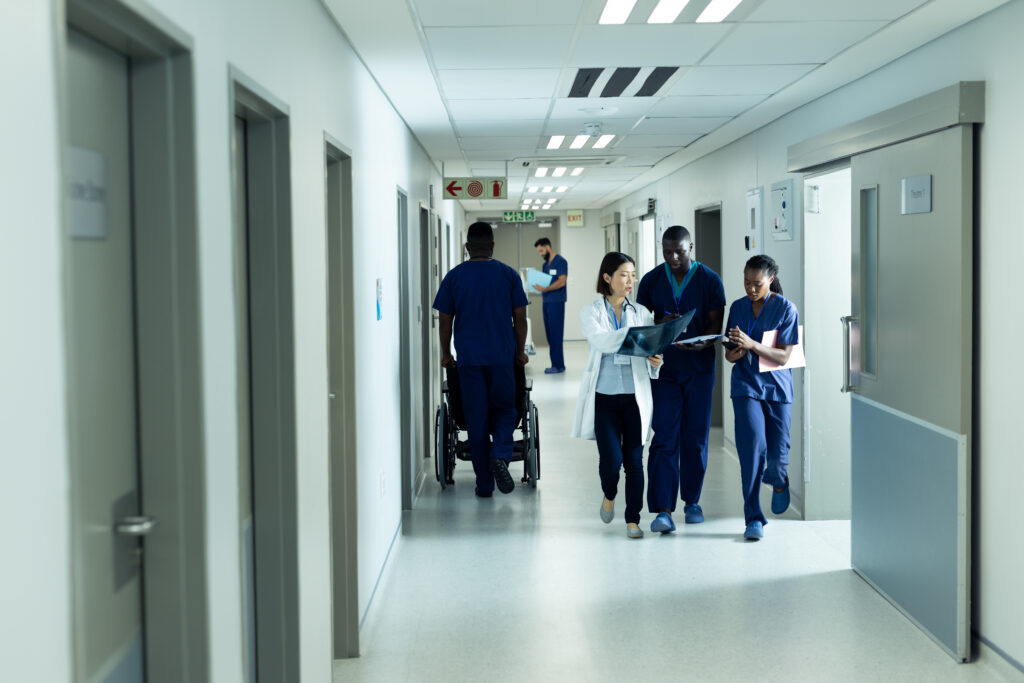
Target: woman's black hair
766, 264
609, 264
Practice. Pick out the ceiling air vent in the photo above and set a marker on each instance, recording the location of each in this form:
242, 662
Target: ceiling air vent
624, 81
586, 162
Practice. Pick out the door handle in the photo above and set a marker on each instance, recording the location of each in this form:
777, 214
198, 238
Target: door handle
846, 320
139, 525
332, 396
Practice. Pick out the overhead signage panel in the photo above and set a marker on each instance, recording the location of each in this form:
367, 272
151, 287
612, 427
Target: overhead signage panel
475, 188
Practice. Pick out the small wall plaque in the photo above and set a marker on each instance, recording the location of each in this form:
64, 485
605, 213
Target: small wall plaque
916, 194
87, 193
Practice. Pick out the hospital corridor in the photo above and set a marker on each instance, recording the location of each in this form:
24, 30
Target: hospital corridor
453, 340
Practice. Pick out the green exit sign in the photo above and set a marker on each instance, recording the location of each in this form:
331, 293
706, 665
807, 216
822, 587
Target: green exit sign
518, 216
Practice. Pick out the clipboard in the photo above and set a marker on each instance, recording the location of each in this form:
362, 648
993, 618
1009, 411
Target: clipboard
651, 340
537, 277
796, 357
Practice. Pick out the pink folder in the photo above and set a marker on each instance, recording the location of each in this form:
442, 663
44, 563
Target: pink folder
796, 358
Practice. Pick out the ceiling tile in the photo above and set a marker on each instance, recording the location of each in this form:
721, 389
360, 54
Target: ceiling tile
471, 84
790, 43
623, 107
503, 126
679, 125
476, 13
570, 127
715, 105
498, 109
494, 143
498, 48
633, 141
645, 45
816, 10
739, 80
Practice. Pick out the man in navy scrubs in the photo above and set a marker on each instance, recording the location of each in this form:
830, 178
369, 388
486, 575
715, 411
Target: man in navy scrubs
484, 302
553, 297
678, 455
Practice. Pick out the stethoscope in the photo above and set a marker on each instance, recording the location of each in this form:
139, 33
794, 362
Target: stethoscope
619, 321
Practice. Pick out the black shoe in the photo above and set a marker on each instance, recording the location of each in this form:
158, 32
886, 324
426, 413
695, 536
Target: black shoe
502, 479
482, 494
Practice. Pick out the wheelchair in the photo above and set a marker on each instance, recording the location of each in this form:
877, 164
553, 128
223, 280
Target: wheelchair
450, 421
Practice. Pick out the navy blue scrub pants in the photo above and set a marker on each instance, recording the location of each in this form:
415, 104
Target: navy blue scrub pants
554, 329
620, 446
762, 443
678, 455
488, 403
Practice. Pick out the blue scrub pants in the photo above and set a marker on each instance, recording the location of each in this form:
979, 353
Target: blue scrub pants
762, 443
554, 329
678, 455
488, 403
620, 446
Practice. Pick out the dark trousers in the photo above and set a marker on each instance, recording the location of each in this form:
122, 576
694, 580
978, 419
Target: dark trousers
620, 446
488, 403
678, 456
554, 329
762, 443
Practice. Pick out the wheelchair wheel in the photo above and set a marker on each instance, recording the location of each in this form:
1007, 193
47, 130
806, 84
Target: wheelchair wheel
533, 448
441, 447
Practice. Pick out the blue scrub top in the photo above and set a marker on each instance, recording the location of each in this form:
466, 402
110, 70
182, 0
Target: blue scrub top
705, 293
481, 296
556, 267
778, 313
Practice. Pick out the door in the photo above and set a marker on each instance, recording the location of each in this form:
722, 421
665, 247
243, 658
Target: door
513, 246
707, 248
108, 549
911, 374
827, 289
407, 360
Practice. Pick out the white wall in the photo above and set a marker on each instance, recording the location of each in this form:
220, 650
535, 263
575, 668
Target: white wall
583, 248
987, 49
295, 52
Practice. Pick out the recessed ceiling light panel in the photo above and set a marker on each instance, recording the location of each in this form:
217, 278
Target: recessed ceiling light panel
717, 11
616, 11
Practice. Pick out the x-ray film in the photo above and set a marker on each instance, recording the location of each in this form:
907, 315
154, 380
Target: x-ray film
650, 340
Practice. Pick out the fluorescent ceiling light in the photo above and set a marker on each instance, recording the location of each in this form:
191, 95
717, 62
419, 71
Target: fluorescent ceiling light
541, 171
532, 189
547, 206
717, 11
548, 189
526, 207
579, 141
552, 200
616, 11
562, 188
576, 171
666, 11
556, 141
558, 173
603, 141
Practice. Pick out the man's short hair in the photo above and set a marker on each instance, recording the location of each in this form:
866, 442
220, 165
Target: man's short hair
676, 233
542, 242
480, 232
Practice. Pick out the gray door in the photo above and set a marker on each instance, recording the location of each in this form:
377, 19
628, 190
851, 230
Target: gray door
911, 371
109, 633
707, 241
513, 246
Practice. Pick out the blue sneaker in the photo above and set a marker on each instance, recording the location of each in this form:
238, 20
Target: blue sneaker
663, 523
754, 532
694, 515
553, 371
780, 499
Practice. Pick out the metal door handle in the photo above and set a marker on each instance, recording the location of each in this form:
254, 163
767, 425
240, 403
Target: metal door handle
846, 320
332, 396
135, 526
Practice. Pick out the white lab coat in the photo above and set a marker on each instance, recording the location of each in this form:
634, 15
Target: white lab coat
604, 338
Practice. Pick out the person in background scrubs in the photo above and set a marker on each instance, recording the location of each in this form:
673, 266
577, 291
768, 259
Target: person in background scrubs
484, 302
762, 401
554, 297
678, 456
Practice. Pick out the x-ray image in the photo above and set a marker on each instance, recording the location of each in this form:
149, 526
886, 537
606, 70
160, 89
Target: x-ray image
650, 340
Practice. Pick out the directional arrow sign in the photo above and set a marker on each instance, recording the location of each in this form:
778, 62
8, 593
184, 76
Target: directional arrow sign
475, 188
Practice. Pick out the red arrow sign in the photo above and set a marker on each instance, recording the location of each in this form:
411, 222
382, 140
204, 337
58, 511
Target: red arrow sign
452, 187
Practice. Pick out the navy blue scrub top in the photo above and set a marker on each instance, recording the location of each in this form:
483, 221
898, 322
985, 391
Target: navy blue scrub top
778, 313
556, 267
704, 292
481, 296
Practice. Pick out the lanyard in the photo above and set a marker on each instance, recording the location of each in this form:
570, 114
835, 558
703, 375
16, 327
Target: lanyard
677, 289
755, 318
618, 321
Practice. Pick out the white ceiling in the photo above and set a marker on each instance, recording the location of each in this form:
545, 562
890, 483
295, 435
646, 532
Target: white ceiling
484, 84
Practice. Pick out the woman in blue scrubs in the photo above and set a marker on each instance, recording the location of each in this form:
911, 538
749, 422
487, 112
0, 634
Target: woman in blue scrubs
762, 401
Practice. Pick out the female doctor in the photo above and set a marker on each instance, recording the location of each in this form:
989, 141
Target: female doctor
614, 405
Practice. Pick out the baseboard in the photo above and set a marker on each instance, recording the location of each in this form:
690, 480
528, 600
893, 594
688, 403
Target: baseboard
994, 659
380, 575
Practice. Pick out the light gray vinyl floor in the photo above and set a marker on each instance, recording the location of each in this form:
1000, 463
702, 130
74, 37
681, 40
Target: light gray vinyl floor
533, 587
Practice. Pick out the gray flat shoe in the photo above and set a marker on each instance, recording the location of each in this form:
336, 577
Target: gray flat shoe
634, 533
607, 515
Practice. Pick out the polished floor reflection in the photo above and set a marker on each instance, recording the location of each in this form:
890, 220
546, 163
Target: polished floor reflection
532, 586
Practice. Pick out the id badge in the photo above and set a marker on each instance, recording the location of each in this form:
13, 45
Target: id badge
553, 271
621, 359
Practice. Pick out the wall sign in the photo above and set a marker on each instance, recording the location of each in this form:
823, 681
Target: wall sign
87, 194
916, 194
574, 218
475, 188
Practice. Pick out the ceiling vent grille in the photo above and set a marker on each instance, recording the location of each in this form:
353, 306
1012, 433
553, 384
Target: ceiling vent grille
625, 81
570, 162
